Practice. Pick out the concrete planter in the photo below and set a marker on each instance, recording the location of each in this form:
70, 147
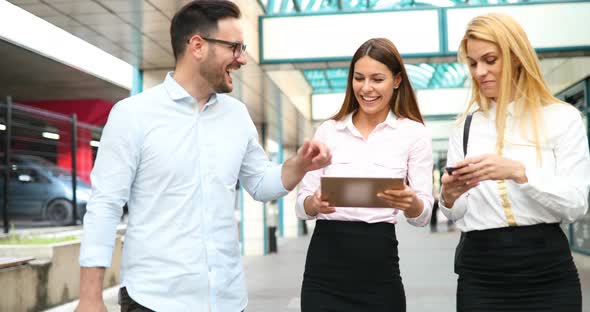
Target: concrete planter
53, 278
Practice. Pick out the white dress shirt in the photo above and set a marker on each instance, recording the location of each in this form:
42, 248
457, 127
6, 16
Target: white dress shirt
397, 148
177, 168
557, 187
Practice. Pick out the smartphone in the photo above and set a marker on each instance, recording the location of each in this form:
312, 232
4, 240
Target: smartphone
450, 170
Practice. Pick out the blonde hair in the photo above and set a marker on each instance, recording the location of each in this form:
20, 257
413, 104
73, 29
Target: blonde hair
520, 72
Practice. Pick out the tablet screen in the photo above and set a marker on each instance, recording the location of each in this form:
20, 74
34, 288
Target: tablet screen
357, 192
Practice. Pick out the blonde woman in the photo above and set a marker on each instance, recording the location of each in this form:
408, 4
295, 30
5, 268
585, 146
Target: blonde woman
525, 171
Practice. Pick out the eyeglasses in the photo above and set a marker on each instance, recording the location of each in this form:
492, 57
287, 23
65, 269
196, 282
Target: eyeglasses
238, 47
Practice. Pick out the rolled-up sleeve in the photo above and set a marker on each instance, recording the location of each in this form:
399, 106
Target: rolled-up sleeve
112, 176
260, 177
420, 176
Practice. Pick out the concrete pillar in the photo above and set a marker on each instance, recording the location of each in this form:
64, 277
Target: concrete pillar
290, 220
251, 10
154, 77
253, 225
137, 84
561, 73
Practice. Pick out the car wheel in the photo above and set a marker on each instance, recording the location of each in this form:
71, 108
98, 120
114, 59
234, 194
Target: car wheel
60, 211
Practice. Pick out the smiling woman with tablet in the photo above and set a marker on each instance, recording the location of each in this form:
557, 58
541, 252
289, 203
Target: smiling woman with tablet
377, 139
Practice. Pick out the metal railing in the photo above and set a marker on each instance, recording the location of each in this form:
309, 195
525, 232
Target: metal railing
46, 162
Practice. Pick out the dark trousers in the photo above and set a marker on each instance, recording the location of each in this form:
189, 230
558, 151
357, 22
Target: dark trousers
128, 304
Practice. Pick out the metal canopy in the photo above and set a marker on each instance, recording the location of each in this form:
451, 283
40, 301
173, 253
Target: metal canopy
422, 76
137, 31
275, 7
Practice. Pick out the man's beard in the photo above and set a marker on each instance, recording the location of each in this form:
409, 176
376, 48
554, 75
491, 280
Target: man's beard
215, 76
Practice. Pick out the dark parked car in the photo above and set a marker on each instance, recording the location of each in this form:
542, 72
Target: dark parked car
40, 190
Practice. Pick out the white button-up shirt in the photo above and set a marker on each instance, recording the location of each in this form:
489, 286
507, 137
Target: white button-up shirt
557, 187
397, 148
177, 168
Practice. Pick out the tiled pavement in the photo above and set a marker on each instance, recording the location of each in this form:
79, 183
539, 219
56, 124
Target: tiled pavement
426, 263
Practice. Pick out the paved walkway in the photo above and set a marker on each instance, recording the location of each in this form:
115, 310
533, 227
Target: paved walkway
426, 264
426, 261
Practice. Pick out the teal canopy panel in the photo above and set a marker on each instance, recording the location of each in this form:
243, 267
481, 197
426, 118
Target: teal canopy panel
282, 7
307, 31
422, 76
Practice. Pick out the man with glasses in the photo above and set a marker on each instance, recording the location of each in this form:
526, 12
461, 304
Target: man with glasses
174, 153
237, 47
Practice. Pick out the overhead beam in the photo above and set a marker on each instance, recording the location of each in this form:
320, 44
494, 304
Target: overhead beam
297, 6
264, 8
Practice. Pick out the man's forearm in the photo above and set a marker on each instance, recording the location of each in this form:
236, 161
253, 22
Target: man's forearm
291, 174
91, 280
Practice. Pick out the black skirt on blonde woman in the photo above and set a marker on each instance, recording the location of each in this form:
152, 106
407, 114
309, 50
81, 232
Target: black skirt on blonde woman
524, 268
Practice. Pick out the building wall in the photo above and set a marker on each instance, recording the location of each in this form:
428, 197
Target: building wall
561, 73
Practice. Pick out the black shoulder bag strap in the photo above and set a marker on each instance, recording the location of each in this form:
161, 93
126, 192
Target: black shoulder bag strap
459, 249
466, 133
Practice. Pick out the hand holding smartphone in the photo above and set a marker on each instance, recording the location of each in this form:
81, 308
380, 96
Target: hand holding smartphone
450, 170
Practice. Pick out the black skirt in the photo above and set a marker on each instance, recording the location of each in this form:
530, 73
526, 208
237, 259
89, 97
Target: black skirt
352, 266
526, 268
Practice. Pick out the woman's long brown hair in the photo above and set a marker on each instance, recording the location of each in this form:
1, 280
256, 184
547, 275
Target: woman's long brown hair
403, 102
